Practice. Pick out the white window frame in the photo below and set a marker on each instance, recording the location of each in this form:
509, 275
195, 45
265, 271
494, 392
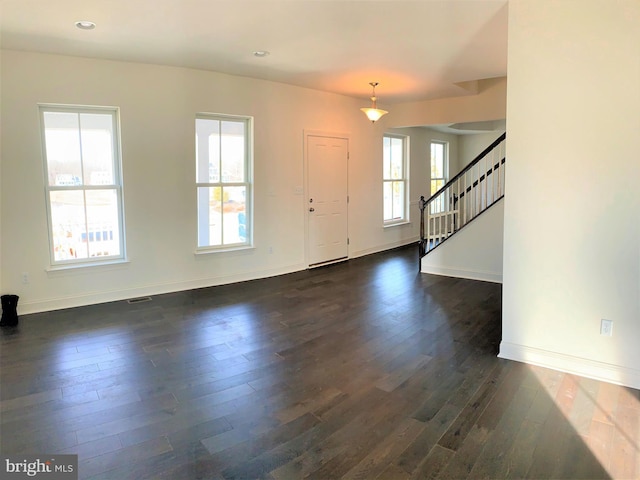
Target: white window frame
439, 205
248, 184
117, 185
404, 218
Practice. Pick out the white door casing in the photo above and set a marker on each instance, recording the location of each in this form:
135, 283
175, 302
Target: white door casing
326, 202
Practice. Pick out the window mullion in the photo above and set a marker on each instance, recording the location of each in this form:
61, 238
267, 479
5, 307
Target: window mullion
86, 220
220, 180
222, 215
393, 203
81, 151
82, 183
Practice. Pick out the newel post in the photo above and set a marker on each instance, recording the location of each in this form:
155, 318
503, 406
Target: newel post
421, 206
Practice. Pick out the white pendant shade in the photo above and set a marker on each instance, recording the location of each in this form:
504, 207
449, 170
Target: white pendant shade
374, 114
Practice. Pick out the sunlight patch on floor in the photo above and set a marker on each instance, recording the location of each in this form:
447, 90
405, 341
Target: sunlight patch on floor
605, 416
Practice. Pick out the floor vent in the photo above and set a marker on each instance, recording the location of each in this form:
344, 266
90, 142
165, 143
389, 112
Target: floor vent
139, 300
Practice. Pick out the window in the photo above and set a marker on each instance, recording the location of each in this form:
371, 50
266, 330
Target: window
439, 173
394, 177
223, 181
83, 183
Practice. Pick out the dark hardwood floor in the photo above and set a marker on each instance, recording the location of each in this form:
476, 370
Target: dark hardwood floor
360, 370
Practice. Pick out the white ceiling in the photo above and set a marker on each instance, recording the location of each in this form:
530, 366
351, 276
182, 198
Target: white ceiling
417, 50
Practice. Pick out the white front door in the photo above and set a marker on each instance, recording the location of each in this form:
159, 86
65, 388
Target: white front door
327, 198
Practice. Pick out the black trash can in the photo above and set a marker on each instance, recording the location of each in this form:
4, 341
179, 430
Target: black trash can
9, 310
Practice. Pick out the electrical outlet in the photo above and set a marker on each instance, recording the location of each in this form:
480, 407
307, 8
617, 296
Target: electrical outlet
606, 327
25, 278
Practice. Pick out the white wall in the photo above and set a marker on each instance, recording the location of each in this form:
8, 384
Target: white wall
474, 252
573, 117
488, 104
470, 146
157, 109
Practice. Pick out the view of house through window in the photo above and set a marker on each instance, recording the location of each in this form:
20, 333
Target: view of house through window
439, 174
394, 177
223, 180
83, 183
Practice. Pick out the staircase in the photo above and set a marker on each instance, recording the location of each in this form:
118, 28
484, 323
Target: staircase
463, 198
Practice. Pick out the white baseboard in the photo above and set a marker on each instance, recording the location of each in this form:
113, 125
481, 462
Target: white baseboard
92, 298
606, 372
388, 246
460, 273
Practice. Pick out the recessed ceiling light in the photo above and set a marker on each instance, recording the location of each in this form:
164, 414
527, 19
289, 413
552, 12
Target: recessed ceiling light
85, 25
260, 53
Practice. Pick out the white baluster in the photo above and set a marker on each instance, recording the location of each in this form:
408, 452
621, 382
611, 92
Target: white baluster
457, 205
484, 188
500, 175
466, 197
493, 180
475, 192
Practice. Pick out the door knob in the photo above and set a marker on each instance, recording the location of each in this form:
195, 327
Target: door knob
312, 209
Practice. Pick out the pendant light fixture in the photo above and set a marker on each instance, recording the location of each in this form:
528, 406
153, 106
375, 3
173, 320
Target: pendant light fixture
373, 113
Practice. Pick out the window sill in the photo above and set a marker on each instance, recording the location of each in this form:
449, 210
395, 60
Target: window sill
239, 249
396, 224
69, 267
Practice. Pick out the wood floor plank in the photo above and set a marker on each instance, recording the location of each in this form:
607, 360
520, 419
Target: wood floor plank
493, 462
567, 394
335, 433
456, 434
461, 464
541, 406
387, 451
600, 441
438, 399
549, 450
94, 448
27, 400
606, 403
394, 379
584, 405
625, 458
89, 467
519, 457
265, 452
429, 468
265, 456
